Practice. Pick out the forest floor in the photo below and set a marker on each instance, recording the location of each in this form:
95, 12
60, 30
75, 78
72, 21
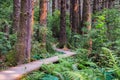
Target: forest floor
15, 73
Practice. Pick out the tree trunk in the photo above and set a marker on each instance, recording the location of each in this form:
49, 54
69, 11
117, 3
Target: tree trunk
23, 47
87, 20
111, 3
53, 6
43, 12
68, 6
59, 4
32, 16
62, 39
75, 16
43, 18
103, 4
80, 16
95, 6
87, 14
106, 4
99, 2
16, 15
71, 12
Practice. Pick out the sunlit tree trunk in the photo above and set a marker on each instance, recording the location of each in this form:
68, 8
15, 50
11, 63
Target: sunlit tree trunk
62, 39
87, 20
23, 46
32, 15
43, 18
16, 15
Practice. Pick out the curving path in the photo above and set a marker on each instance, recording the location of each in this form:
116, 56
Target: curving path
15, 73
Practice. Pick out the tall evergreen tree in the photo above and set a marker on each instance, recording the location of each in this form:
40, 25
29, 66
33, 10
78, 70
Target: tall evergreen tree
62, 39
23, 47
43, 18
87, 19
75, 16
16, 15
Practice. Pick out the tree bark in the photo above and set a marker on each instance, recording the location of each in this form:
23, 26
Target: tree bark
80, 16
23, 47
75, 16
111, 3
53, 6
95, 6
87, 14
16, 15
62, 40
32, 16
59, 4
43, 18
43, 12
87, 20
71, 12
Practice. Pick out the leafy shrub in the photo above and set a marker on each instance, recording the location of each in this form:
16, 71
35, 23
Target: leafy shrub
7, 42
54, 23
10, 58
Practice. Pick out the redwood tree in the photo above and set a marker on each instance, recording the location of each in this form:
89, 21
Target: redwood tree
43, 12
23, 47
62, 39
16, 15
75, 16
43, 18
87, 19
53, 6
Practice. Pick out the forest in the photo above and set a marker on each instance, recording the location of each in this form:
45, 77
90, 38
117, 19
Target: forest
59, 39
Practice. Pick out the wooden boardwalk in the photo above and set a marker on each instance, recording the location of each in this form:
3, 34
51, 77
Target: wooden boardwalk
15, 73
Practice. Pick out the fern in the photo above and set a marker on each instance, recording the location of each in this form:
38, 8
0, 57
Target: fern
34, 76
86, 74
113, 60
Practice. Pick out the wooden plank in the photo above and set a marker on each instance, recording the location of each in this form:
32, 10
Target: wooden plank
15, 73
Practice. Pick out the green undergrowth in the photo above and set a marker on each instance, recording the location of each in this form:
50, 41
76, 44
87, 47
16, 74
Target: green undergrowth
78, 68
